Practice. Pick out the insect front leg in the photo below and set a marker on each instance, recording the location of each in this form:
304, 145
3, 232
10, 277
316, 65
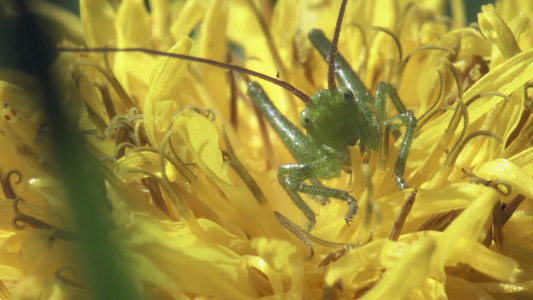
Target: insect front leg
292, 176
409, 121
406, 118
322, 200
284, 173
384, 89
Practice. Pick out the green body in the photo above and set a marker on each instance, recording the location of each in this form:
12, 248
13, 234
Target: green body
334, 120
327, 107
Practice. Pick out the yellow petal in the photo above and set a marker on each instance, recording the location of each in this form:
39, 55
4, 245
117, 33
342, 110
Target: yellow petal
145, 160
505, 170
495, 29
406, 274
348, 266
133, 69
165, 83
201, 137
524, 160
18, 99
212, 32
277, 253
484, 260
133, 24
506, 78
189, 15
169, 255
98, 17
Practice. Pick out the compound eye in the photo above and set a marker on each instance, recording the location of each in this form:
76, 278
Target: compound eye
305, 118
346, 93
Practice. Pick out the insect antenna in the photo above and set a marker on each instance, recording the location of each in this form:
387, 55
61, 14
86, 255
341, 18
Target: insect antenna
333, 52
296, 92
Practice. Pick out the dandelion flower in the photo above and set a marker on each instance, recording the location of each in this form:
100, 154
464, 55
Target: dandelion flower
192, 220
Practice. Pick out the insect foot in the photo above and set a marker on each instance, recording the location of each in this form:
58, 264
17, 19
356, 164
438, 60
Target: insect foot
400, 183
353, 207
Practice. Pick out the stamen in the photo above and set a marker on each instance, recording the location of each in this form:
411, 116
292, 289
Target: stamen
400, 67
400, 220
140, 134
511, 207
458, 147
107, 100
236, 165
7, 186
337, 253
440, 221
454, 122
433, 109
35, 223
173, 159
174, 211
390, 62
495, 184
156, 194
234, 97
181, 206
483, 94
119, 121
393, 36
497, 226
120, 149
108, 74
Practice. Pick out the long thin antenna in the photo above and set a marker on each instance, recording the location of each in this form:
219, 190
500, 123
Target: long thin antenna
333, 52
296, 92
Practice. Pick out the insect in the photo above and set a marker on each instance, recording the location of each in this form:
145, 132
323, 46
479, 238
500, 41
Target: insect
334, 119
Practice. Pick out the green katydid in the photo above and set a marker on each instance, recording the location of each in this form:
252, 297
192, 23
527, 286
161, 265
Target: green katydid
334, 118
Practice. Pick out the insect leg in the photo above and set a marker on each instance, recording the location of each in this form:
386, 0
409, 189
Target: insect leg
300, 145
384, 89
409, 121
344, 73
292, 176
284, 173
316, 182
333, 193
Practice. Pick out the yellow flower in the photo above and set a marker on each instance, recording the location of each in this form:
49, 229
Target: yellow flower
189, 220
